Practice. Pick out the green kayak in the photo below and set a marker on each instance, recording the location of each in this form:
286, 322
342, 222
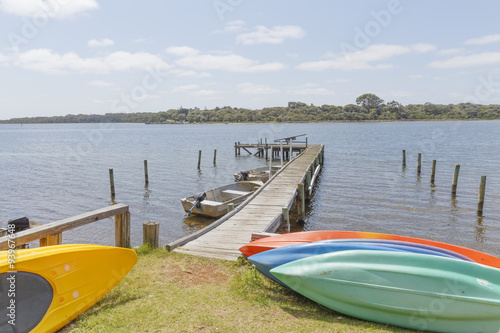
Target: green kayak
410, 290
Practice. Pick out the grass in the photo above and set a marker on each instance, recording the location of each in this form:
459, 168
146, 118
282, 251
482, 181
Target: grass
172, 292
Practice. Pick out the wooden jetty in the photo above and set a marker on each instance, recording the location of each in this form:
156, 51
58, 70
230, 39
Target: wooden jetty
264, 211
281, 147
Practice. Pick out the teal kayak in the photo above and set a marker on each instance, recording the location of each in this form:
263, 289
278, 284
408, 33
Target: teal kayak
410, 290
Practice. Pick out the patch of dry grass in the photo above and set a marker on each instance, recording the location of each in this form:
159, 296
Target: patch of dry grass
172, 292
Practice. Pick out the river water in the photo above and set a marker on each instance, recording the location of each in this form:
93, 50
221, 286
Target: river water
53, 171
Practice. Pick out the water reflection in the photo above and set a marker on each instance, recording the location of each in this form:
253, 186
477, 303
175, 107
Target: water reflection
480, 230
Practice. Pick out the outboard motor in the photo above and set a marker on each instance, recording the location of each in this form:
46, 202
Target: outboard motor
199, 198
243, 176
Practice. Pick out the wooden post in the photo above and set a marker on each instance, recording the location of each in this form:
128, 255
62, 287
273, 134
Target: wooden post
199, 159
291, 150
51, 240
281, 153
480, 201
286, 218
112, 182
215, 157
151, 233
146, 171
230, 207
455, 180
404, 157
308, 181
267, 150
433, 171
419, 163
302, 202
122, 230
235, 149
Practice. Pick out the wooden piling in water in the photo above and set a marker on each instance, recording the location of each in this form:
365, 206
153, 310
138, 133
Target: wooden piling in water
215, 157
286, 218
482, 190
199, 159
433, 171
301, 204
151, 233
455, 180
112, 182
404, 157
146, 178
419, 163
122, 230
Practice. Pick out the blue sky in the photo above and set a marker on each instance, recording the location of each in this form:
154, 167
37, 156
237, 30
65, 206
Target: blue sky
61, 57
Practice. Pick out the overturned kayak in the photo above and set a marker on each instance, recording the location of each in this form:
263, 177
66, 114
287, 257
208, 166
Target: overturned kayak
399, 288
273, 242
50, 286
267, 260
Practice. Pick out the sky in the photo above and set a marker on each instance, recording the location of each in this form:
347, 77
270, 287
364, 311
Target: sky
61, 57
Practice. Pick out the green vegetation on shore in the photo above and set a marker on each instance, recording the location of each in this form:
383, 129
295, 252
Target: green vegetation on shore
368, 107
172, 292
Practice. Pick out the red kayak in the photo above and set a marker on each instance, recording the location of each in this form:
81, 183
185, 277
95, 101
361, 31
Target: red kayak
294, 238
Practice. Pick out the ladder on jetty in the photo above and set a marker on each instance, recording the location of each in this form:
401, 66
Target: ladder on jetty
261, 212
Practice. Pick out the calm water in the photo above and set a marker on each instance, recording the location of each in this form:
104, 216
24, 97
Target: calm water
50, 172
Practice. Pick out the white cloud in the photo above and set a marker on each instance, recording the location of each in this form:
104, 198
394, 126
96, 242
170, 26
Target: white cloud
185, 88
45, 60
275, 35
189, 73
3, 58
474, 60
234, 26
310, 89
488, 39
365, 58
51, 8
99, 83
255, 89
228, 62
100, 43
204, 93
448, 52
182, 51
416, 76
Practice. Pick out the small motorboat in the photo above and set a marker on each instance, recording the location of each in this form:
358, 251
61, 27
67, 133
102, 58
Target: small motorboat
214, 202
261, 174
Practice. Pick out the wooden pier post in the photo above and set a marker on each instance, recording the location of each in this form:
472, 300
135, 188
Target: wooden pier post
286, 218
146, 172
151, 233
455, 180
433, 171
199, 159
235, 149
404, 157
267, 150
281, 153
480, 201
230, 207
290, 154
419, 162
112, 182
301, 205
122, 230
51, 240
215, 157
308, 181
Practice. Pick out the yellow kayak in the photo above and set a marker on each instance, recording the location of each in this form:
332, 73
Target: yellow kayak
43, 289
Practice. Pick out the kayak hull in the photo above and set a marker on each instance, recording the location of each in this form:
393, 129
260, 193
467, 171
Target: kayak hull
273, 242
68, 280
404, 289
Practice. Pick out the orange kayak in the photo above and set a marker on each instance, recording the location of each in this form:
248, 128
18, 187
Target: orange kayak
294, 238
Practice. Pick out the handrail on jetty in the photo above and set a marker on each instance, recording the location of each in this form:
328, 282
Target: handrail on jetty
50, 233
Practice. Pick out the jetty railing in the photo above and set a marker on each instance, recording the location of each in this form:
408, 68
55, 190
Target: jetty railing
50, 233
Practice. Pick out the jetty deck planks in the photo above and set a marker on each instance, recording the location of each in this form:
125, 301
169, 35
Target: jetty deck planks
256, 215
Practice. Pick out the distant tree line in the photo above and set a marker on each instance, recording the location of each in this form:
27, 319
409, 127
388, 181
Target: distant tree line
368, 107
